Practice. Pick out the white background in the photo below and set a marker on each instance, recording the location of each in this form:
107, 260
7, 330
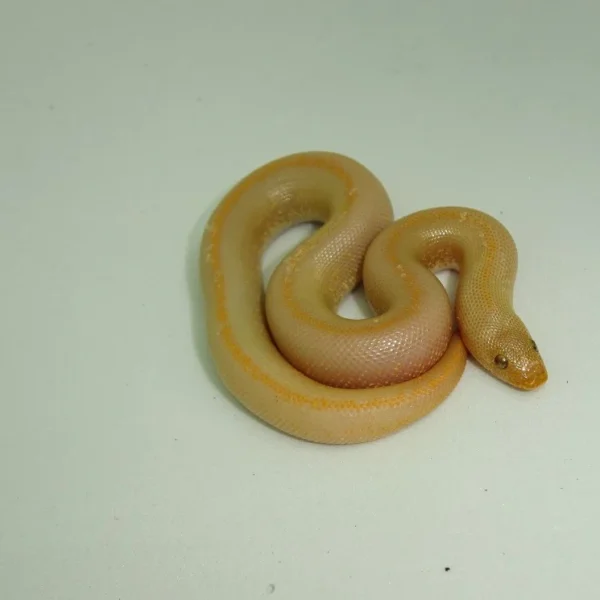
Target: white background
126, 473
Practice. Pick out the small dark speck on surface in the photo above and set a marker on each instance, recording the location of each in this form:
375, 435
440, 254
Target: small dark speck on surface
51, 107
199, 99
447, 569
271, 588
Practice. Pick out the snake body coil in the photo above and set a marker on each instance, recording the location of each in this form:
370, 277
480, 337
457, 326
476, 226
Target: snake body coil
294, 362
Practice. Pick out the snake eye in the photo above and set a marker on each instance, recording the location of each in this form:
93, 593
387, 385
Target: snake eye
501, 361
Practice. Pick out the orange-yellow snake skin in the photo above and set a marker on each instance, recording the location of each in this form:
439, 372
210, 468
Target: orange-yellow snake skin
288, 356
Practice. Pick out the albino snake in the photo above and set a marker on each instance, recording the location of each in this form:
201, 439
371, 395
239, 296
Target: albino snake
293, 361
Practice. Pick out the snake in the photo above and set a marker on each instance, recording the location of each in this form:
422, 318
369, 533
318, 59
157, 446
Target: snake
282, 349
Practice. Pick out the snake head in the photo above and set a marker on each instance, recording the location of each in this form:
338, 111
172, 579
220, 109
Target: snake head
515, 358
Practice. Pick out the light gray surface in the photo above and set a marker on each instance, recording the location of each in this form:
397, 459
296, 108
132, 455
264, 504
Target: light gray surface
125, 472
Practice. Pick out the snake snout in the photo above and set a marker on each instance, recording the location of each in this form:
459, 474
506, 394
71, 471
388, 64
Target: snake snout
531, 376
535, 378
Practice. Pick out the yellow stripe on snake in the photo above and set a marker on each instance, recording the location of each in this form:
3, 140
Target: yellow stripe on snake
293, 361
